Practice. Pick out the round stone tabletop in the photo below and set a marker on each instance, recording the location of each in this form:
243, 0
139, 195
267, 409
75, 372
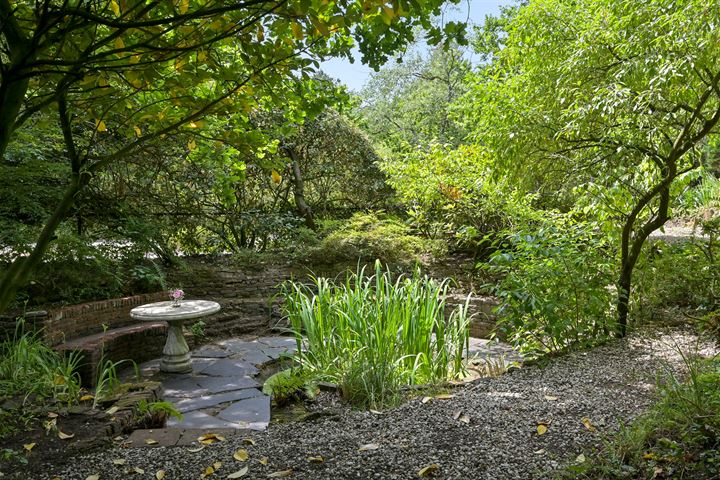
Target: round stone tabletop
165, 311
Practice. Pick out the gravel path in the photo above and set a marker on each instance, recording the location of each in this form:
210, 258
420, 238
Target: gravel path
610, 383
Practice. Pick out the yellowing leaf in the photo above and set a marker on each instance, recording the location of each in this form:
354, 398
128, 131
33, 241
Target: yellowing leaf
115, 7
542, 429
248, 441
217, 465
184, 5
240, 473
282, 473
368, 447
29, 446
191, 146
264, 460
649, 456
65, 436
210, 438
241, 455
297, 30
316, 459
260, 33
119, 43
277, 178
85, 398
208, 471
119, 461
159, 475
429, 470
151, 441
588, 424
100, 126
102, 82
138, 132
580, 458
135, 59
59, 380
201, 55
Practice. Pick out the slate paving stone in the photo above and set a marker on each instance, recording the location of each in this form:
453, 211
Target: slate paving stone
200, 364
254, 357
278, 341
165, 437
189, 404
241, 346
226, 384
228, 367
275, 352
198, 419
209, 352
252, 412
183, 386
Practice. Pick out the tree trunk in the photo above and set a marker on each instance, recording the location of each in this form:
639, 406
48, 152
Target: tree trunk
299, 191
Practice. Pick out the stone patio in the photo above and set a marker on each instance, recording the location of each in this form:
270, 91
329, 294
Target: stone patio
223, 394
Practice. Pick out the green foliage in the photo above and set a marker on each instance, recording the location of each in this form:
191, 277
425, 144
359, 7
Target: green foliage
554, 286
372, 335
29, 367
369, 236
198, 329
108, 381
679, 437
289, 385
157, 410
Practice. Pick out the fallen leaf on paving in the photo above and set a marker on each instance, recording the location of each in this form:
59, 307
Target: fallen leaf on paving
217, 465
317, 459
248, 441
550, 398
240, 473
112, 410
93, 477
210, 438
368, 446
426, 399
65, 436
464, 419
29, 446
159, 475
429, 470
281, 473
151, 441
445, 396
119, 461
195, 450
85, 398
580, 458
542, 429
264, 460
241, 455
588, 424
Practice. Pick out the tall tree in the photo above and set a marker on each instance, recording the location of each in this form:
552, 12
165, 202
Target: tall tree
135, 71
615, 99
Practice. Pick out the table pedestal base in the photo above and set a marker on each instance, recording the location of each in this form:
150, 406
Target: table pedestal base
176, 354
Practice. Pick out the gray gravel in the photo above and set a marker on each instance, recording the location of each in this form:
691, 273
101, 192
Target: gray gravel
611, 383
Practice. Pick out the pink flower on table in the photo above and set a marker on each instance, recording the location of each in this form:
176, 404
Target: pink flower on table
177, 294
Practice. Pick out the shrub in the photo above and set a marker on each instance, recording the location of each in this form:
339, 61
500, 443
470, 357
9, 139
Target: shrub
288, 385
372, 335
554, 287
369, 236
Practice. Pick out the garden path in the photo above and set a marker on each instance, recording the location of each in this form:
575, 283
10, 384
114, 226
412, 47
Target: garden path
487, 430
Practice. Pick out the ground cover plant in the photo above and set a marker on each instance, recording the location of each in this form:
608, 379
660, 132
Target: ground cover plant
374, 334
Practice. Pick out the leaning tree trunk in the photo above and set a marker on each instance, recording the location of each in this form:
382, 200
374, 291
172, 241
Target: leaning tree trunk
299, 191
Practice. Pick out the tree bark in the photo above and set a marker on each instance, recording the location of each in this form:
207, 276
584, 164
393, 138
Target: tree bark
299, 190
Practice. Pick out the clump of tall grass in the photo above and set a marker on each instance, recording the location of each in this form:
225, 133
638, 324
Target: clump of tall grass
30, 367
372, 335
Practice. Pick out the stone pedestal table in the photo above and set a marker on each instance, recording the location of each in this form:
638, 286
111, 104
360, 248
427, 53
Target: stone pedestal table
176, 354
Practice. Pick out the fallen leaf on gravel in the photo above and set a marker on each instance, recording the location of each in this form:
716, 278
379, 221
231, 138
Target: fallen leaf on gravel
207, 472
29, 446
85, 398
588, 424
539, 452
542, 429
429, 470
241, 455
195, 450
316, 459
93, 477
159, 475
445, 396
264, 460
281, 473
425, 399
112, 410
248, 441
464, 419
137, 470
217, 465
368, 446
580, 458
65, 436
151, 441
119, 461
457, 414
240, 473
210, 438
550, 398
376, 412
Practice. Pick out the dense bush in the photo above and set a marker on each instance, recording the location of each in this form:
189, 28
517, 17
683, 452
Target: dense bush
554, 286
370, 236
373, 335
